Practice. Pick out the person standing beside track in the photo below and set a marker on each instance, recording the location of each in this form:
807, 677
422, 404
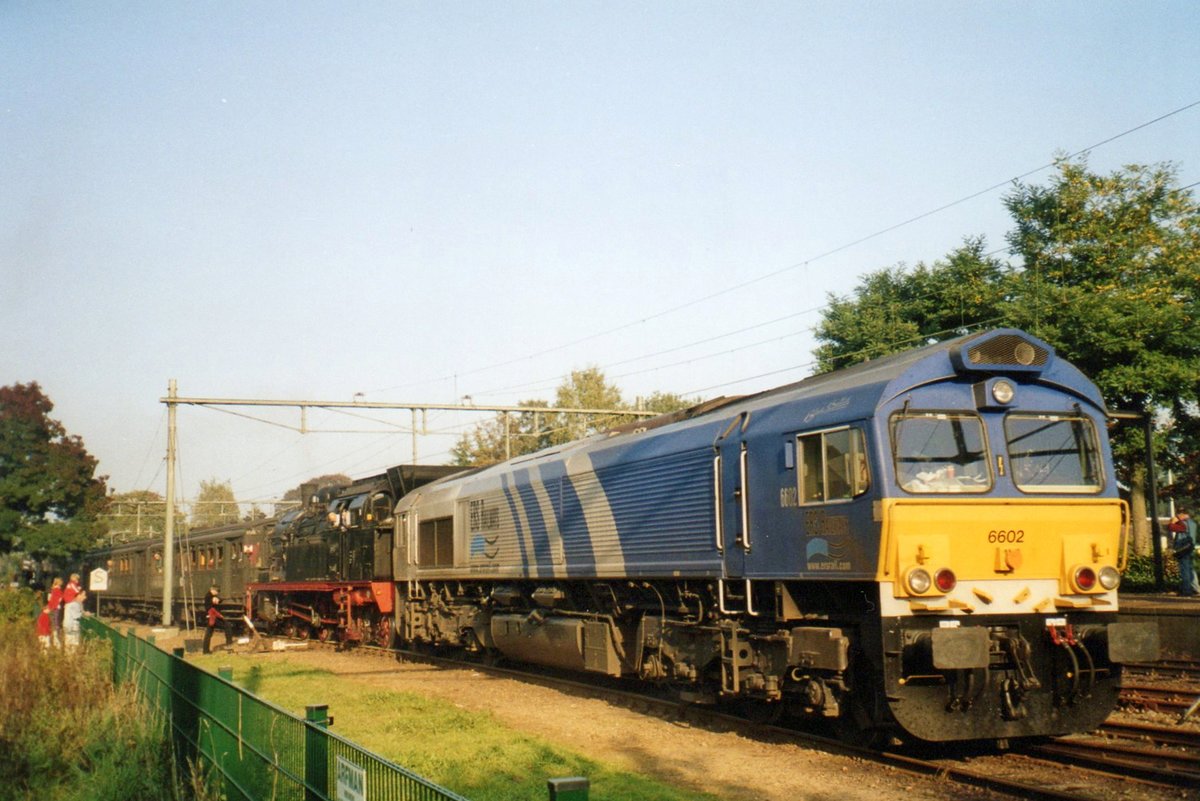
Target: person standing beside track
1183, 544
55, 603
212, 604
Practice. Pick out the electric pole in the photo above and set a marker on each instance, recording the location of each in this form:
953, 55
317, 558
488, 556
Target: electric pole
168, 561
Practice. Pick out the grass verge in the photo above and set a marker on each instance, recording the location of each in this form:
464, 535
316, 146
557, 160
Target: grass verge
471, 753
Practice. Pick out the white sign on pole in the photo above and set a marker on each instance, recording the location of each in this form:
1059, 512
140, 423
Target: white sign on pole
351, 781
98, 580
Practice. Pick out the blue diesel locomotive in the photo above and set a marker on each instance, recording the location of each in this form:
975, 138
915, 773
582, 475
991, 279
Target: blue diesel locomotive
927, 545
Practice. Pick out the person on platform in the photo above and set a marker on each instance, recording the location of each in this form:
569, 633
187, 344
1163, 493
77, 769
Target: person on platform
212, 607
72, 614
55, 604
72, 590
1183, 544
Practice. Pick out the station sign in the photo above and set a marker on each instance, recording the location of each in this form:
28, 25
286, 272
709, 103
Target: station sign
98, 580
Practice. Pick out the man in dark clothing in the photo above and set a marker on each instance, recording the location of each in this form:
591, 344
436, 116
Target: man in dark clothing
1183, 543
212, 608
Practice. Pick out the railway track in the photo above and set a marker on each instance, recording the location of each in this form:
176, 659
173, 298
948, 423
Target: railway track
1155, 754
1166, 669
1158, 698
1029, 773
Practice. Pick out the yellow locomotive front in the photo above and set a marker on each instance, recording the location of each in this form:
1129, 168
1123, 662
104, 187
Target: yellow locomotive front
1002, 541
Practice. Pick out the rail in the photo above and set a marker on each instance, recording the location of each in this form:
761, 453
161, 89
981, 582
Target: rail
253, 749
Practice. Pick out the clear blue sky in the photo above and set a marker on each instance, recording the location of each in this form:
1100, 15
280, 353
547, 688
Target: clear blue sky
421, 201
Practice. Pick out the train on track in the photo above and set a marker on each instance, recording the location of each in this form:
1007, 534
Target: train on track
927, 545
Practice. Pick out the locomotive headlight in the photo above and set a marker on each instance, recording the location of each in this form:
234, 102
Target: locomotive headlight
1109, 577
1083, 579
918, 581
1003, 392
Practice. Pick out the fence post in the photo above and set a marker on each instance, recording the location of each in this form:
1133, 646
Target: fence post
574, 788
316, 752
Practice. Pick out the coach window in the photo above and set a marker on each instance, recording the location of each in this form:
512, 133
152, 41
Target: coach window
1053, 453
833, 465
940, 452
435, 543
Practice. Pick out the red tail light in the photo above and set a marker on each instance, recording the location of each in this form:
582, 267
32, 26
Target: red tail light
945, 580
1085, 578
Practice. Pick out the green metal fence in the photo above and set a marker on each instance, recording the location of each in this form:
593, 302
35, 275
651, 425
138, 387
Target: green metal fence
257, 751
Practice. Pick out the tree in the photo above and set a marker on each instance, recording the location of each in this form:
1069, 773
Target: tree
1108, 273
50, 496
135, 515
585, 389
215, 505
895, 309
512, 434
1111, 275
323, 481
506, 435
666, 402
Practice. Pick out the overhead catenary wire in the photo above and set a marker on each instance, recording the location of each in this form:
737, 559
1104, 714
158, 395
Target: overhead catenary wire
809, 260
757, 280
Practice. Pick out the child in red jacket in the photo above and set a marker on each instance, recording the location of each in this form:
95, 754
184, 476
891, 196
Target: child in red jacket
43, 626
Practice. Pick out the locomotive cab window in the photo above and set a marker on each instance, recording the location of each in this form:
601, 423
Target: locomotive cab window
1053, 453
940, 452
381, 506
833, 465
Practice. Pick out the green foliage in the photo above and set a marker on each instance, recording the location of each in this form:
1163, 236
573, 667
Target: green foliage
19, 606
1139, 573
327, 480
896, 309
50, 497
136, 515
514, 434
215, 505
666, 402
1111, 276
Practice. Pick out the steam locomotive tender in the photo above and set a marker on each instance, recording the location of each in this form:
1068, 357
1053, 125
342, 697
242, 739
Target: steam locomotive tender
926, 545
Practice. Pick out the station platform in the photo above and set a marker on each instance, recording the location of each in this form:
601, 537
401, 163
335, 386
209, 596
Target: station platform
1178, 620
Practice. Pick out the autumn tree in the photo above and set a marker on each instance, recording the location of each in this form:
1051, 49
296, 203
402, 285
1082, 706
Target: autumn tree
50, 495
215, 505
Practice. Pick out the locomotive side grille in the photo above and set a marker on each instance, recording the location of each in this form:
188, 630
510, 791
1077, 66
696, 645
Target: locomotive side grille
1008, 349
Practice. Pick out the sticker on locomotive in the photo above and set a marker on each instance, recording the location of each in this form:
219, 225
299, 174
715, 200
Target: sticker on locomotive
482, 518
821, 555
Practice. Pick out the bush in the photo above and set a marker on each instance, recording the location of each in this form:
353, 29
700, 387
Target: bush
19, 606
1139, 574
